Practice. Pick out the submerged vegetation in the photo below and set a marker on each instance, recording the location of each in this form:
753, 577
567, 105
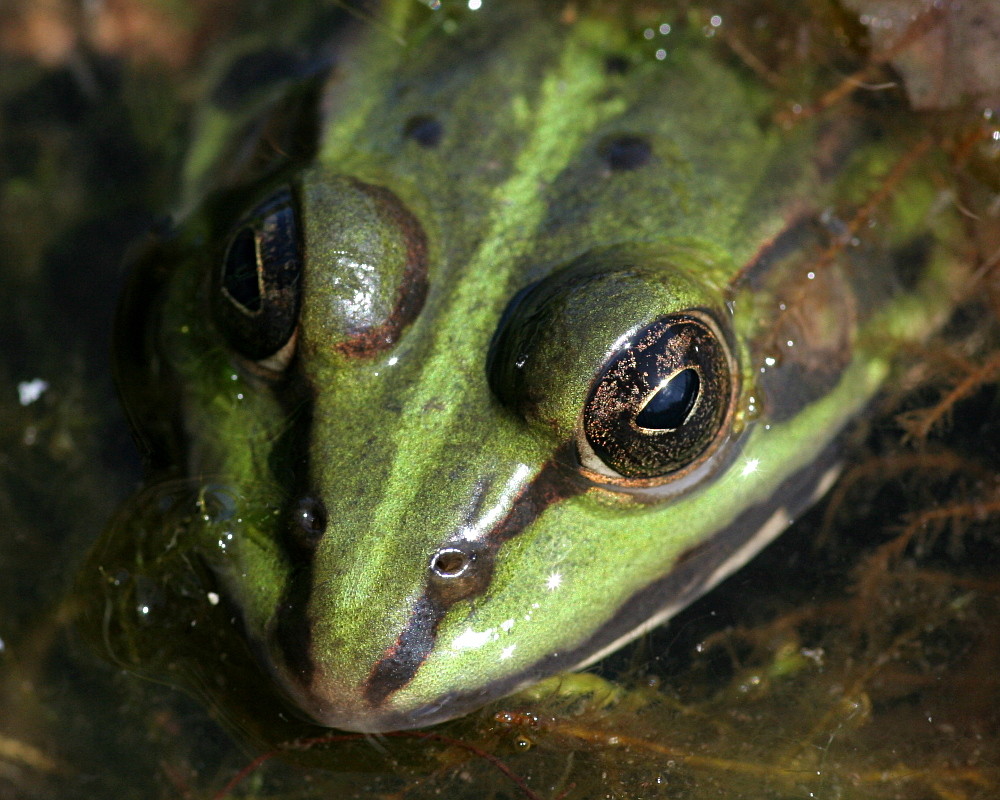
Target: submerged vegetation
856, 658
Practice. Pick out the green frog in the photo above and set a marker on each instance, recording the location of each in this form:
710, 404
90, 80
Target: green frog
554, 330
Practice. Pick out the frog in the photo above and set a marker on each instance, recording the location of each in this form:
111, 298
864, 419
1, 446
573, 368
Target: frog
549, 334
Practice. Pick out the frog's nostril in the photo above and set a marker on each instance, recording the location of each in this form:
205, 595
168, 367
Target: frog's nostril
458, 571
308, 522
450, 562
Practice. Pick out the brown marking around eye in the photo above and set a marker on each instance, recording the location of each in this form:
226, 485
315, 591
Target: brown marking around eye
412, 290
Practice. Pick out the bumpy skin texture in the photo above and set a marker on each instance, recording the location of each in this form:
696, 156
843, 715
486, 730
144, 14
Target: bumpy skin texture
417, 522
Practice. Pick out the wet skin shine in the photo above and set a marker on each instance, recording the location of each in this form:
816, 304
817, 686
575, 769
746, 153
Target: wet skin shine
546, 341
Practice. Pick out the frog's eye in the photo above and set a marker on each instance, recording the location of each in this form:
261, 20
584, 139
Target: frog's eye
660, 402
256, 295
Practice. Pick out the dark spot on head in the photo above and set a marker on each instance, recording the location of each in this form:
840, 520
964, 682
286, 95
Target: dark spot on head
616, 65
623, 153
424, 129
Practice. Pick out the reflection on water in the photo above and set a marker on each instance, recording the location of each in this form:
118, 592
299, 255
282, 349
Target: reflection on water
872, 674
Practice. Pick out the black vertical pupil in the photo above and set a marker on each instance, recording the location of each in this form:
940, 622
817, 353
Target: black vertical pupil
240, 273
670, 406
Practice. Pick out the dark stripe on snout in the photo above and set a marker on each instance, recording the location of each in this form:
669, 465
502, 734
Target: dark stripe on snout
400, 662
557, 480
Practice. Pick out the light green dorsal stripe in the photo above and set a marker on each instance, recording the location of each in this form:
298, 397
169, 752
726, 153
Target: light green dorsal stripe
564, 116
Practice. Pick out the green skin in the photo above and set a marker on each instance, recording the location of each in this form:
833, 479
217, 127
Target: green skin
412, 443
